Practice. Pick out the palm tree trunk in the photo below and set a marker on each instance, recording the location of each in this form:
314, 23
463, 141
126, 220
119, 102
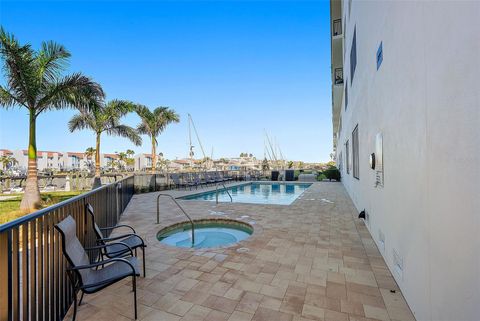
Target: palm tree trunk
31, 199
97, 182
154, 154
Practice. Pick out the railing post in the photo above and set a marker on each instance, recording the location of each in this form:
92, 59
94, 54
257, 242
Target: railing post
5, 272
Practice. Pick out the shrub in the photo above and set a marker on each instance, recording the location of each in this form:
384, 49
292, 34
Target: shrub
332, 173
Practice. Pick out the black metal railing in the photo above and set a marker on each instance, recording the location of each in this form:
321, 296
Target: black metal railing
145, 183
33, 279
337, 27
338, 76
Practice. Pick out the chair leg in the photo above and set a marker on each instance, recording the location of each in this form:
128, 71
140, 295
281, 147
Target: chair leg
74, 304
143, 252
81, 298
135, 294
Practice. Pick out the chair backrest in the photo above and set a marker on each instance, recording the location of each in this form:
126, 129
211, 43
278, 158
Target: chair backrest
175, 178
96, 228
72, 248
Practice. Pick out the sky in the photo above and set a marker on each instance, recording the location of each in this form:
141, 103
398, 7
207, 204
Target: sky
240, 68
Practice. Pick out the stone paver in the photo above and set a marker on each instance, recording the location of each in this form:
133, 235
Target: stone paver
312, 260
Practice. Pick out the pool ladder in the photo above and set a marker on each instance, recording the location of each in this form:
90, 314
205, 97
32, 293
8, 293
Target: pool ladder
180, 207
226, 190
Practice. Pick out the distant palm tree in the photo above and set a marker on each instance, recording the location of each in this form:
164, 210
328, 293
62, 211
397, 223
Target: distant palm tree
34, 80
105, 118
7, 161
130, 161
89, 152
153, 123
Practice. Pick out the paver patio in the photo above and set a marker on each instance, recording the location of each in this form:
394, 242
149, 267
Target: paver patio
312, 260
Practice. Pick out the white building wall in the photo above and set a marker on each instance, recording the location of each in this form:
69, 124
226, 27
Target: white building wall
425, 100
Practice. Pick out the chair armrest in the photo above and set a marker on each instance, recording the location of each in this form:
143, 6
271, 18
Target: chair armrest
89, 266
108, 239
110, 244
117, 226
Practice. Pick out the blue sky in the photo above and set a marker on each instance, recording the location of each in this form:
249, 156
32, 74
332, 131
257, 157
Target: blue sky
237, 67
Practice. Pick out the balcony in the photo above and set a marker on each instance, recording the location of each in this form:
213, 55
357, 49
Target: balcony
337, 28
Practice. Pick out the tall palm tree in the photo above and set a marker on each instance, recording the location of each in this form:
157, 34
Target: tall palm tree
105, 118
153, 123
35, 81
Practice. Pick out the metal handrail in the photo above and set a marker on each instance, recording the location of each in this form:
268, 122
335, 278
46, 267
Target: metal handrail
180, 207
226, 190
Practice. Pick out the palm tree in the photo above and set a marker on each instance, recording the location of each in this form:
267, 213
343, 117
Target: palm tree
153, 123
89, 152
105, 118
130, 161
34, 81
7, 161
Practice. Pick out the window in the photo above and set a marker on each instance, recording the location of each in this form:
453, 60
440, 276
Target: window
340, 160
355, 157
379, 55
346, 95
353, 55
347, 157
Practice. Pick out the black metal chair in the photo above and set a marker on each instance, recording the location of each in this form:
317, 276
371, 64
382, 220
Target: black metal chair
177, 181
81, 272
113, 250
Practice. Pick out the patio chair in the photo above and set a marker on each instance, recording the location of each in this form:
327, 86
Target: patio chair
112, 250
189, 182
81, 272
197, 180
219, 178
177, 181
208, 178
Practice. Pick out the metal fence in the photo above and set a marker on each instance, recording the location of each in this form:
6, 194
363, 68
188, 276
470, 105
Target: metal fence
33, 279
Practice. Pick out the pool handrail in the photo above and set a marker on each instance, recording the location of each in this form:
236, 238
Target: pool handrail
180, 207
226, 190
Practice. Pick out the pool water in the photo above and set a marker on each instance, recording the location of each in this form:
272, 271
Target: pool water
206, 235
256, 193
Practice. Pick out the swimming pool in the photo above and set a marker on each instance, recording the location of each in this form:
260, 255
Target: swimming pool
257, 193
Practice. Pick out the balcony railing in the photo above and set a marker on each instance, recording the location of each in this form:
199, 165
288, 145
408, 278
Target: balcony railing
338, 76
33, 279
337, 27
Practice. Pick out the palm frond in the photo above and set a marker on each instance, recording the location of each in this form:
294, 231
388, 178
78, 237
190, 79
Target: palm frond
52, 60
7, 100
127, 132
119, 108
74, 90
143, 129
19, 68
81, 121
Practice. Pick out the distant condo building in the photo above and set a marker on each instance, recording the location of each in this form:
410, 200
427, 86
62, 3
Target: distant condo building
51, 160
406, 133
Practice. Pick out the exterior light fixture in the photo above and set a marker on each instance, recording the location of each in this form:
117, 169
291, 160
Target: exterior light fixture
372, 160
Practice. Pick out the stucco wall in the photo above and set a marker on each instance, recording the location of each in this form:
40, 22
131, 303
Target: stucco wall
425, 100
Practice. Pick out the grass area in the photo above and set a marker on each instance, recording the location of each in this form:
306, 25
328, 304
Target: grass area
10, 208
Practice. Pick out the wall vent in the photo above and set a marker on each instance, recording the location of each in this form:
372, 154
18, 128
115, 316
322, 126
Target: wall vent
398, 265
381, 241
